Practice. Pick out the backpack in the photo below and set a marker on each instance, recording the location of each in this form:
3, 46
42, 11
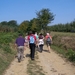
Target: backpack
48, 39
32, 40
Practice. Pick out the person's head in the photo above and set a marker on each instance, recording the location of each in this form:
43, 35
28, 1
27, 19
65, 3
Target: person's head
35, 32
47, 33
41, 34
20, 34
30, 32
26, 34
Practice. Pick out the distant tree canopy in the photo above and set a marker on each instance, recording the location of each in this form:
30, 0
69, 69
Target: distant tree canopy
68, 27
41, 23
10, 26
44, 17
24, 26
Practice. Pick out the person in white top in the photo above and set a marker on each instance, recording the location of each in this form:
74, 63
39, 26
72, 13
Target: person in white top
26, 40
41, 42
37, 38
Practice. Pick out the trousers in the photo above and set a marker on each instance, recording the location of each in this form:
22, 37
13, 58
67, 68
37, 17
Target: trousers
32, 50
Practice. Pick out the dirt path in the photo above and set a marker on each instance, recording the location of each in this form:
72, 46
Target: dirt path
51, 63
16, 68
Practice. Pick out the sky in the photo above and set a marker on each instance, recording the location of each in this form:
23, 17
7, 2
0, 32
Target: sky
21, 10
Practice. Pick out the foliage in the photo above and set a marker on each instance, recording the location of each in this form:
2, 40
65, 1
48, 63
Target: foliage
7, 50
64, 43
6, 38
24, 26
10, 26
68, 27
2, 65
71, 55
45, 17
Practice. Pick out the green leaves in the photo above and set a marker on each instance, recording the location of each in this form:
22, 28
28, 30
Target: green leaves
71, 55
45, 17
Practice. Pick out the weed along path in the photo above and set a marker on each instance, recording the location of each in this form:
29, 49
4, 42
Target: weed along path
44, 64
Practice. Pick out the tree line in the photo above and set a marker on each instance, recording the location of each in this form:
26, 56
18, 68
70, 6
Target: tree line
44, 17
10, 26
68, 27
41, 23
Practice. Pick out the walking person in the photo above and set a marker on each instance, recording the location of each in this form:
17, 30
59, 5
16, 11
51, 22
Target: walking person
41, 42
32, 44
26, 40
37, 38
48, 39
20, 45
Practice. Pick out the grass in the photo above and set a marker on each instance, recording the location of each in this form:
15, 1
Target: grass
69, 54
63, 34
58, 50
64, 43
7, 51
33, 68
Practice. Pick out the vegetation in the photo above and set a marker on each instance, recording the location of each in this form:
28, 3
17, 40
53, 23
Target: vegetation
33, 68
69, 54
7, 50
64, 43
68, 27
10, 26
44, 17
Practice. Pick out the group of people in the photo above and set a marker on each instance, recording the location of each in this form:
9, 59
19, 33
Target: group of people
32, 41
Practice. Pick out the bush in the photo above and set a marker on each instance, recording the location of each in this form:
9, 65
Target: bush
71, 55
7, 49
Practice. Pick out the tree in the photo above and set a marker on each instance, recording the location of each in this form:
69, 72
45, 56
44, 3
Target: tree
4, 23
34, 25
24, 26
12, 23
45, 17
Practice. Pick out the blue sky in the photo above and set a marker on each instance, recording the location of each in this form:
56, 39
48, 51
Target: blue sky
21, 10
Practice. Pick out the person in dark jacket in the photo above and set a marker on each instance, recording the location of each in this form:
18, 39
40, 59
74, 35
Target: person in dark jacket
32, 44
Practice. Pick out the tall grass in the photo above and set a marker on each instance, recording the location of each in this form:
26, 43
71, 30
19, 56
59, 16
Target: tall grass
6, 52
64, 43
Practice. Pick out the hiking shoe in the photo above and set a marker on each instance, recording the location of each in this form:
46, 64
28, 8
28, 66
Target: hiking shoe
32, 58
23, 56
49, 51
19, 60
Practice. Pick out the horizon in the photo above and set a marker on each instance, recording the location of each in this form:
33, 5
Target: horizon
26, 10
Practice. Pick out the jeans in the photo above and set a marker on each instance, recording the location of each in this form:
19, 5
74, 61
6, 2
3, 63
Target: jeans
32, 50
41, 47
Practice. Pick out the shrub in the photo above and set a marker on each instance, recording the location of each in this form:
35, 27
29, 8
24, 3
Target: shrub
7, 49
71, 55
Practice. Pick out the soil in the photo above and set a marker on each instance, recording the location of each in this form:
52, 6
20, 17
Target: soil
52, 64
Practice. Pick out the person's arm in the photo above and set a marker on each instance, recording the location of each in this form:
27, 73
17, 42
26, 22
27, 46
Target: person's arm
24, 46
51, 38
45, 37
35, 39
